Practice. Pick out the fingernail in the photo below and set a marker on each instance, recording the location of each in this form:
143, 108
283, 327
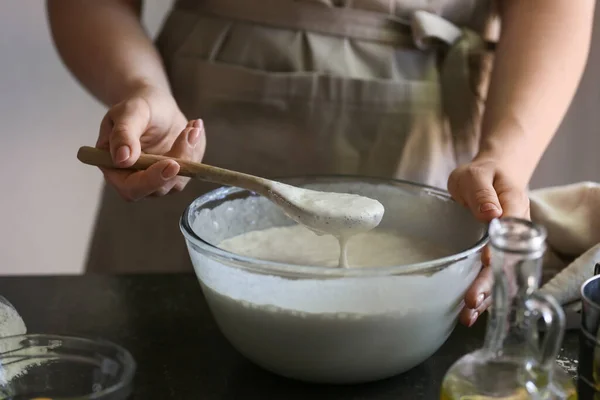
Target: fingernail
170, 171
479, 300
193, 136
123, 154
199, 124
473, 318
488, 207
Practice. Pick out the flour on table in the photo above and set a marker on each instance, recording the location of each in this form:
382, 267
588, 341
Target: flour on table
11, 322
11, 366
569, 365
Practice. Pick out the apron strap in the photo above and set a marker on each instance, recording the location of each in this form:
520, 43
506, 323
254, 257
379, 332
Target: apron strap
461, 104
427, 27
336, 21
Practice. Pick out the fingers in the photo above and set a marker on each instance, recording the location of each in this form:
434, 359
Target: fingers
478, 297
133, 186
189, 145
480, 288
515, 202
454, 187
473, 186
123, 127
105, 130
486, 256
479, 192
159, 179
468, 317
482, 188
487, 192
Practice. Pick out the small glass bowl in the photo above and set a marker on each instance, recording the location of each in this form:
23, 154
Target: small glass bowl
43, 367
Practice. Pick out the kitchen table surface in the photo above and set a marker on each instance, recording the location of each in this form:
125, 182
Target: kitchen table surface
166, 324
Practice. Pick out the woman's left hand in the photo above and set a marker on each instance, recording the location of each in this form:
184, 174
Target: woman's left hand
489, 192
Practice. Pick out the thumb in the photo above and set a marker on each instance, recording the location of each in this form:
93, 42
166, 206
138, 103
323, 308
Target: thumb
129, 122
480, 194
515, 202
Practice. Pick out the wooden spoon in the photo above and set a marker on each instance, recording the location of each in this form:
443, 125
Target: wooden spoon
102, 158
338, 214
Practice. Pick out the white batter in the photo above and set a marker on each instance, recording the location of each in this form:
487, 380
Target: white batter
334, 330
341, 215
298, 245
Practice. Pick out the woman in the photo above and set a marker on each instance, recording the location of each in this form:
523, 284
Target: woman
392, 88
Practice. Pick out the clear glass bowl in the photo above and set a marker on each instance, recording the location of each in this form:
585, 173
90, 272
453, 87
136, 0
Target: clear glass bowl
56, 367
334, 325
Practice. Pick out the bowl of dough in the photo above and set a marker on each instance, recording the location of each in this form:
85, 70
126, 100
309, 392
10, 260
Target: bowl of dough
279, 296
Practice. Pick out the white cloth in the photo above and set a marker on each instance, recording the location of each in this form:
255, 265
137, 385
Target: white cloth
571, 216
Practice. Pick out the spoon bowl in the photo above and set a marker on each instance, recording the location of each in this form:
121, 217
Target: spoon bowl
339, 214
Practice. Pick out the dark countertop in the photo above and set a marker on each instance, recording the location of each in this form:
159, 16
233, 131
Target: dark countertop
165, 323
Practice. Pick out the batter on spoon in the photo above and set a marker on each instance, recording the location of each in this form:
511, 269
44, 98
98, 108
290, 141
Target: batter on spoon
341, 215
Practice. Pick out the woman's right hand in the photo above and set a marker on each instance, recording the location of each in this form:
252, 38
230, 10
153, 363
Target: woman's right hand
149, 121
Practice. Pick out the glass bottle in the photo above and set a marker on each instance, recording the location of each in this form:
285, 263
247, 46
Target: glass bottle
515, 363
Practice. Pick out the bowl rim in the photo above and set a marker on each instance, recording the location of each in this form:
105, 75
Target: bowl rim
129, 364
304, 271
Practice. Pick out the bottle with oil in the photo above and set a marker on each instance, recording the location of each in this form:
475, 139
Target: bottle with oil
517, 362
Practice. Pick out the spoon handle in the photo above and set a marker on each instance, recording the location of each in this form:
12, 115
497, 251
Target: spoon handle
102, 158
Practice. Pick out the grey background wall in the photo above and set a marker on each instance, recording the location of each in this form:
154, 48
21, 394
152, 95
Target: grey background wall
48, 201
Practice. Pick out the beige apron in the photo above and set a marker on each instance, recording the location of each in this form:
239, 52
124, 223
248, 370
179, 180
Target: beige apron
389, 88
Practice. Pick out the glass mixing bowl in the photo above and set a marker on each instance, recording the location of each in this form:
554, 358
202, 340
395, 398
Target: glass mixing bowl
44, 367
335, 325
